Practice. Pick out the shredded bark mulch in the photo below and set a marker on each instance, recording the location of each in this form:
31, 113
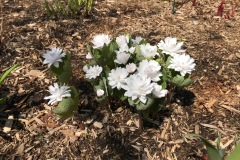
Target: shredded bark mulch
209, 107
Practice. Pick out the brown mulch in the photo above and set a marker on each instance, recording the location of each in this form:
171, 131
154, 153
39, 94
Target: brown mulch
210, 106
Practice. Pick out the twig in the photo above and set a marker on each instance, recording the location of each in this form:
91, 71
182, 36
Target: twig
230, 108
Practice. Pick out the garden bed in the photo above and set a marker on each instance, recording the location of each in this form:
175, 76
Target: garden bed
208, 107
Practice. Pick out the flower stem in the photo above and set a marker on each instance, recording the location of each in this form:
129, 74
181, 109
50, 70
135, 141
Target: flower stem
140, 121
170, 95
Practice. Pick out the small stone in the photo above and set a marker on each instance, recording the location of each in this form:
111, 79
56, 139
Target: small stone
98, 125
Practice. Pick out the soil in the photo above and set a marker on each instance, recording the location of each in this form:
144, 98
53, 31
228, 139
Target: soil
209, 107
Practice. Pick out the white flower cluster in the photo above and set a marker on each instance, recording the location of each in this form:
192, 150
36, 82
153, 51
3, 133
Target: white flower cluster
140, 79
182, 63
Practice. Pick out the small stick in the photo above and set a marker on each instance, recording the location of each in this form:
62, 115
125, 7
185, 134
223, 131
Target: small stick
230, 108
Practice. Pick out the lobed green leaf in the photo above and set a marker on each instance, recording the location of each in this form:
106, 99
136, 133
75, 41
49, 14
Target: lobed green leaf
68, 106
64, 71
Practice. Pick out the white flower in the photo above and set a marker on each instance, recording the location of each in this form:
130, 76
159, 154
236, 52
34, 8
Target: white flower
170, 46
100, 92
89, 56
131, 67
54, 56
132, 50
138, 86
158, 92
122, 41
122, 57
99, 41
93, 71
137, 40
57, 93
124, 48
85, 68
117, 77
182, 63
148, 50
151, 69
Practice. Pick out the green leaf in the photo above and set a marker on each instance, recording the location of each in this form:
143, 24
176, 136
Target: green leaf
89, 48
142, 106
137, 50
212, 151
158, 103
108, 55
139, 57
5, 74
68, 106
131, 102
168, 61
164, 74
113, 47
2, 100
96, 53
105, 85
64, 71
180, 81
164, 85
220, 151
106, 70
123, 98
235, 154
186, 82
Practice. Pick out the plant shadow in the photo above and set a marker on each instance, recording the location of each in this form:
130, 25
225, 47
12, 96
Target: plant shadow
183, 97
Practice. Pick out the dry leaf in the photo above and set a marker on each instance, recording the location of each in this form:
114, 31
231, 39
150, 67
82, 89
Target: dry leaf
36, 73
69, 134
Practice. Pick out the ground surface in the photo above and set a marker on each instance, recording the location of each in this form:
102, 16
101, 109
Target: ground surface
208, 107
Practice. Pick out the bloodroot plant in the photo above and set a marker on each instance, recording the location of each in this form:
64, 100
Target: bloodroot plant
67, 97
136, 72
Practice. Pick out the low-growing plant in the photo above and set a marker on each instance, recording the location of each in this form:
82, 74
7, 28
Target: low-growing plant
4, 76
126, 69
136, 72
68, 96
216, 152
72, 8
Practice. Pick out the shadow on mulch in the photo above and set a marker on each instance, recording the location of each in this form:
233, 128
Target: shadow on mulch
15, 105
183, 97
119, 146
